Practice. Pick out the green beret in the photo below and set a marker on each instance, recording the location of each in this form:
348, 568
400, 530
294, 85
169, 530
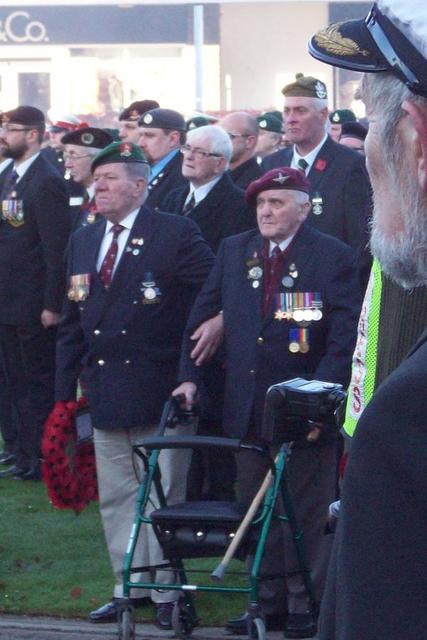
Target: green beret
305, 87
269, 122
342, 115
123, 152
196, 122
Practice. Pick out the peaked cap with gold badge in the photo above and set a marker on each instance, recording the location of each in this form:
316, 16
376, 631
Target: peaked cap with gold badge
393, 37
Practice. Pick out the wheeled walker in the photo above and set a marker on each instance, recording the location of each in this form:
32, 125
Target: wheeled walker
211, 529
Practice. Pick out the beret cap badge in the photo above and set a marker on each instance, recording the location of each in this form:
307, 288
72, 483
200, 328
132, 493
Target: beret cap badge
125, 150
87, 138
148, 118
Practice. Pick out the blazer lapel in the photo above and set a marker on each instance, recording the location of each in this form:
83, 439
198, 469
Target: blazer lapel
318, 169
254, 293
133, 253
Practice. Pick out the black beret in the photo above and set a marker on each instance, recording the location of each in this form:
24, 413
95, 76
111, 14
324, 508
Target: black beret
280, 178
24, 115
135, 110
88, 137
163, 119
354, 130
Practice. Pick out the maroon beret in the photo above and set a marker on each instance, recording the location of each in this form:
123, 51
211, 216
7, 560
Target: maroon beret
280, 178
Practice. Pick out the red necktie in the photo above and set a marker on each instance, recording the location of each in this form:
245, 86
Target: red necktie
273, 268
107, 266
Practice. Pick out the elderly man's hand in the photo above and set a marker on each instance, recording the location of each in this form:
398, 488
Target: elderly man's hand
49, 318
188, 391
208, 337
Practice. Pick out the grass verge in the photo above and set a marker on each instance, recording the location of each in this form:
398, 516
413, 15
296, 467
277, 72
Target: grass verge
55, 563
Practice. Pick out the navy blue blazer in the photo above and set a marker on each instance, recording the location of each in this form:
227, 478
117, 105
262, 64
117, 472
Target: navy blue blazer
339, 177
378, 572
32, 274
130, 344
169, 178
224, 212
257, 347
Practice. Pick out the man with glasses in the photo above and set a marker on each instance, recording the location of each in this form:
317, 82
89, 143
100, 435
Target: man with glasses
210, 199
33, 236
243, 131
376, 585
162, 132
81, 147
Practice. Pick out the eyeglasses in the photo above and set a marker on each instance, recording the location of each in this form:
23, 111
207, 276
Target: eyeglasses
74, 156
199, 153
233, 136
6, 127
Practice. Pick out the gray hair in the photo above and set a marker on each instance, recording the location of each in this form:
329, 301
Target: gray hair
403, 258
213, 136
137, 170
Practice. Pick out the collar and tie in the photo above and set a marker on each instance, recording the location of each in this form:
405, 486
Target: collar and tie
8, 185
189, 205
107, 266
302, 164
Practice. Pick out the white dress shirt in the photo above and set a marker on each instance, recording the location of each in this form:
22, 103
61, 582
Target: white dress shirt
122, 239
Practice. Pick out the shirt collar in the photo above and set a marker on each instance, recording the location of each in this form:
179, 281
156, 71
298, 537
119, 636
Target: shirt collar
127, 222
201, 192
282, 246
161, 164
23, 167
310, 157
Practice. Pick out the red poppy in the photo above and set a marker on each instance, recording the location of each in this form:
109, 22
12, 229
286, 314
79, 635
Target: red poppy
320, 164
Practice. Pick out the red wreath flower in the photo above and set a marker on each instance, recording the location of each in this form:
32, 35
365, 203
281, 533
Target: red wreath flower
320, 164
68, 468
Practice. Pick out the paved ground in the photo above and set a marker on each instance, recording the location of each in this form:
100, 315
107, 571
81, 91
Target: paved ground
43, 628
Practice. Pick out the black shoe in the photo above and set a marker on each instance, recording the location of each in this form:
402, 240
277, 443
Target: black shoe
7, 458
239, 626
164, 615
108, 612
300, 625
14, 471
34, 473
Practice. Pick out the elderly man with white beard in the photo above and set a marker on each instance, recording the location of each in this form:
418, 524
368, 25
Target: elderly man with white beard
377, 579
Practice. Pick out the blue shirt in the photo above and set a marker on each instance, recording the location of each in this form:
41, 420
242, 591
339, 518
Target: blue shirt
161, 164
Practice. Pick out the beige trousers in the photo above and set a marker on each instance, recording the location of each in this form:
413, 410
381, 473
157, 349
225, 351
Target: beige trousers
118, 472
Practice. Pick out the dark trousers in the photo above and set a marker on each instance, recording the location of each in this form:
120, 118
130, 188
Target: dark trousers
8, 414
29, 365
311, 476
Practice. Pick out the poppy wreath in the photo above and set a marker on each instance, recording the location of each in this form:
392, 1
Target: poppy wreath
68, 467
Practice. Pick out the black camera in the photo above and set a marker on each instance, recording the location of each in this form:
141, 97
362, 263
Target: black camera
291, 408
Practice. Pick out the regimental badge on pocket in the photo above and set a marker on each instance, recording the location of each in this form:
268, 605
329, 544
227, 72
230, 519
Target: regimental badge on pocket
79, 287
150, 291
12, 211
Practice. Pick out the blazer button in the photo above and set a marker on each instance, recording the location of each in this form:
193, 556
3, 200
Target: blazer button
252, 372
97, 332
127, 361
260, 340
124, 332
101, 363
